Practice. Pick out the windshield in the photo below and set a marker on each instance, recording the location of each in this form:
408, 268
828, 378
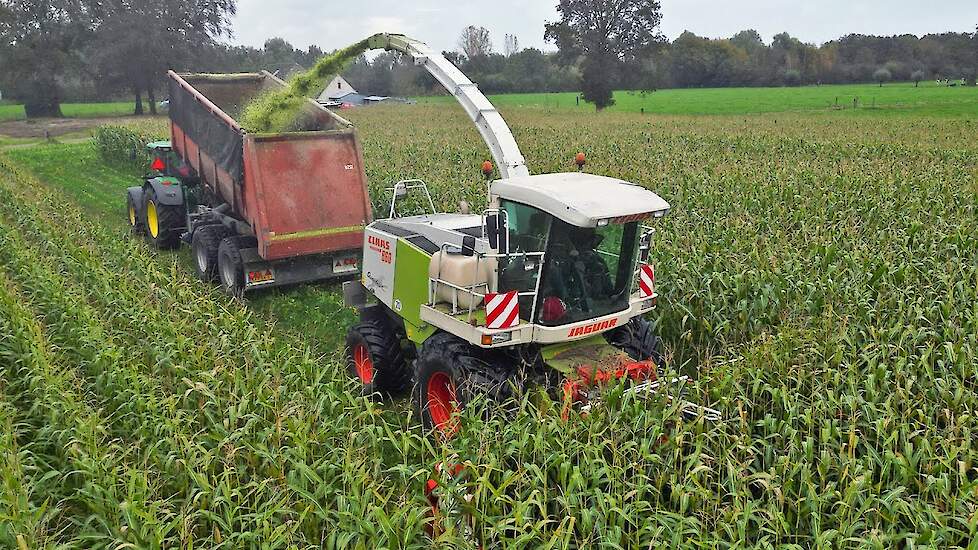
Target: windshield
588, 272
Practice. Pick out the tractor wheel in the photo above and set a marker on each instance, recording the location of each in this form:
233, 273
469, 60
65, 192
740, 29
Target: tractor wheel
451, 373
374, 356
137, 225
163, 222
637, 340
230, 267
205, 244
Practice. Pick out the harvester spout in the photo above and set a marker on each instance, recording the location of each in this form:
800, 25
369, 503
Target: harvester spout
494, 130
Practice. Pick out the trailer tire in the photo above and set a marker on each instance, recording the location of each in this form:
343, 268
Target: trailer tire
205, 245
450, 375
231, 267
375, 358
637, 340
163, 222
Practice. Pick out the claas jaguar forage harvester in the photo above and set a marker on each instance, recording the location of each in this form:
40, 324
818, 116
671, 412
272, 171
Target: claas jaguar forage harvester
549, 285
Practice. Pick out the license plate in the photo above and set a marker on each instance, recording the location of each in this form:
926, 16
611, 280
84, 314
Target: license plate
345, 265
259, 277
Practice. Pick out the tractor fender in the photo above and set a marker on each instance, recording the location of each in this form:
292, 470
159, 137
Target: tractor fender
136, 194
169, 191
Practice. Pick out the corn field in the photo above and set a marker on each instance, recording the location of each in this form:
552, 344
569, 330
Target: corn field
818, 280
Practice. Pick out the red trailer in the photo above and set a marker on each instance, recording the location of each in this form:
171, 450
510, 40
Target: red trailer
259, 210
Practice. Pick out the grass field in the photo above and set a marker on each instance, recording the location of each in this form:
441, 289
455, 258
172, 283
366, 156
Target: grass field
895, 99
73, 110
819, 280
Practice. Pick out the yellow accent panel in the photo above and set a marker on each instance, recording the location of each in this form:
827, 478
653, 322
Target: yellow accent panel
315, 233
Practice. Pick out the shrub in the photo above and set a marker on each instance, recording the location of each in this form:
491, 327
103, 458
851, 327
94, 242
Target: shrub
125, 145
792, 77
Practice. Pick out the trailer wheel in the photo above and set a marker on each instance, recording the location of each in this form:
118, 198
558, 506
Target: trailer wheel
205, 244
374, 356
163, 222
637, 340
230, 267
451, 374
137, 225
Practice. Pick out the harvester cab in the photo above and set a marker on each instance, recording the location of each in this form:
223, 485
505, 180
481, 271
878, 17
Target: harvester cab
548, 286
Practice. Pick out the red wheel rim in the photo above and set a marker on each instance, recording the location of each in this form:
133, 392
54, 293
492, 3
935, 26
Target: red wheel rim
363, 363
442, 403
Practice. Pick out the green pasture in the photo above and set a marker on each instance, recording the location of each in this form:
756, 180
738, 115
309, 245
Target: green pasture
894, 99
74, 110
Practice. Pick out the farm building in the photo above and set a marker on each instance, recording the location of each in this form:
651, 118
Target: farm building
337, 90
340, 92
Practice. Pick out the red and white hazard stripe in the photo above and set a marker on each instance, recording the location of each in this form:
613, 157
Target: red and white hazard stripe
503, 310
646, 281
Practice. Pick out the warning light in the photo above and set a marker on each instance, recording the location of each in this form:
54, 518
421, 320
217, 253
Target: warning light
580, 160
158, 165
487, 169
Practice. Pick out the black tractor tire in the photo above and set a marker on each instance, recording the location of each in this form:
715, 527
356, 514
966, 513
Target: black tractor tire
637, 340
163, 222
471, 372
137, 223
388, 372
230, 267
205, 245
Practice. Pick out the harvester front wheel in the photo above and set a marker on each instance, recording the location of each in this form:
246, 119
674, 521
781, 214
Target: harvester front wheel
637, 340
206, 244
230, 267
375, 358
450, 375
163, 222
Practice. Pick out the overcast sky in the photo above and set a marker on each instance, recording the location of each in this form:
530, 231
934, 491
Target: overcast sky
332, 24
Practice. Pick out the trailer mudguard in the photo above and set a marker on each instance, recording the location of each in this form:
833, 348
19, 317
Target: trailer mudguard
169, 191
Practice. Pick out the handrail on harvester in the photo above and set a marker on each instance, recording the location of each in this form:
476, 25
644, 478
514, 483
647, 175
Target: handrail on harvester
495, 132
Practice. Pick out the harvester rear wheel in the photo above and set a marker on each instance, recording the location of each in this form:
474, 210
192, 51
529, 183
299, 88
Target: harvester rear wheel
163, 222
206, 244
451, 374
375, 358
637, 340
230, 266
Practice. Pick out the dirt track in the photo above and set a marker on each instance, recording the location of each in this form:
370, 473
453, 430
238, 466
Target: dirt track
55, 127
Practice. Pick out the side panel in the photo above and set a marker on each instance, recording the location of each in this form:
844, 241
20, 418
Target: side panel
379, 257
306, 193
410, 282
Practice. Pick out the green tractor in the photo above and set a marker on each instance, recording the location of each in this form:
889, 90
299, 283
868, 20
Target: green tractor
548, 286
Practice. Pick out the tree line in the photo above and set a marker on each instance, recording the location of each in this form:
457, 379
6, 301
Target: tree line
86, 50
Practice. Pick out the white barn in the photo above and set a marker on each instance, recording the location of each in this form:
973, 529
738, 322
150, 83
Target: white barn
336, 90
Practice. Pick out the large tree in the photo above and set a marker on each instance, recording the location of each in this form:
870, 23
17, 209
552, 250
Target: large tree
141, 39
39, 44
605, 33
474, 42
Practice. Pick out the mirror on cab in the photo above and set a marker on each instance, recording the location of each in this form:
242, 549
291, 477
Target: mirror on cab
645, 244
400, 190
497, 232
